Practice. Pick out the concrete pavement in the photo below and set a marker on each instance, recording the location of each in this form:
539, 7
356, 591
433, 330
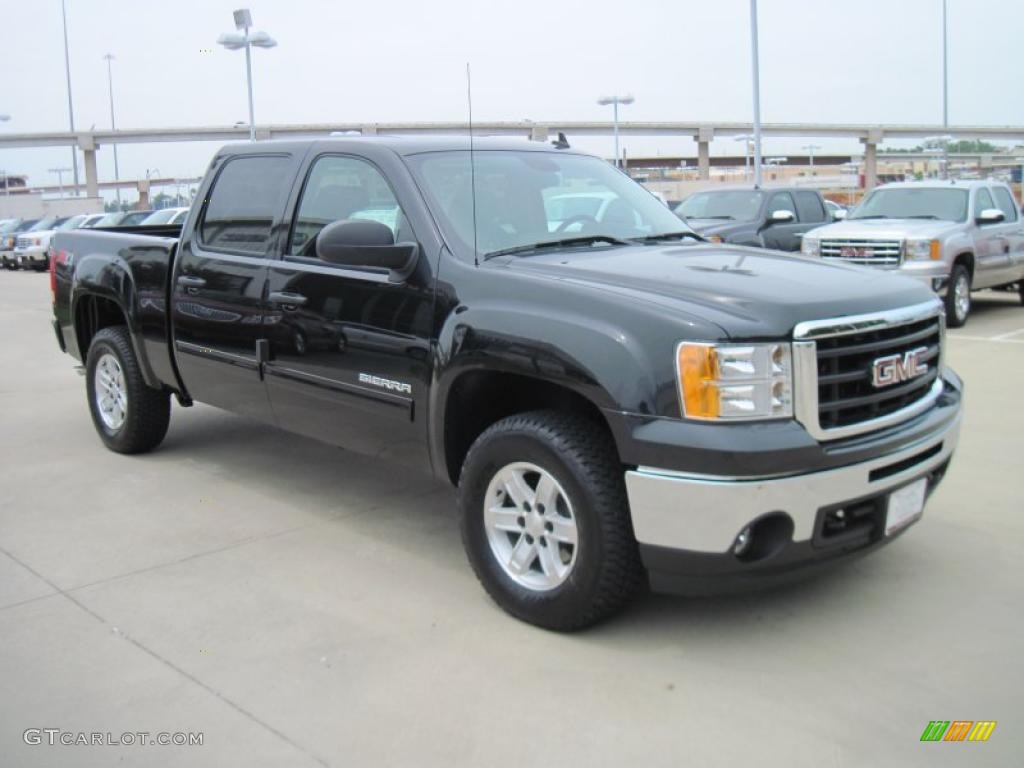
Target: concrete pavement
300, 605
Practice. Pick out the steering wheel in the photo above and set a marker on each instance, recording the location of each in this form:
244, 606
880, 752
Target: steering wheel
579, 217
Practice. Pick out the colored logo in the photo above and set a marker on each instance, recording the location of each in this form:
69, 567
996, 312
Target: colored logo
958, 730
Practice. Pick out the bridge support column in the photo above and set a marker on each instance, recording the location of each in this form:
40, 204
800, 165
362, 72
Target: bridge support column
704, 136
871, 143
538, 133
143, 187
92, 188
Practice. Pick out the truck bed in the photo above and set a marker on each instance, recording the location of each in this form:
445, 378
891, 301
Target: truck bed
124, 271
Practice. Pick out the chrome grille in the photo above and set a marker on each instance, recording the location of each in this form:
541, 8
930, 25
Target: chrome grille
834, 362
885, 253
23, 242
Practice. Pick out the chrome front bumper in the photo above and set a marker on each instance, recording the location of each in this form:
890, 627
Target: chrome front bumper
705, 514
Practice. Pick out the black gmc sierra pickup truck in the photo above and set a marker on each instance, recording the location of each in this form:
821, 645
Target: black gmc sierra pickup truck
619, 402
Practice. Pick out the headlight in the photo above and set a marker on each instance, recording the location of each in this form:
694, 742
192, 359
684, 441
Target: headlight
731, 382
810, 246
919, 250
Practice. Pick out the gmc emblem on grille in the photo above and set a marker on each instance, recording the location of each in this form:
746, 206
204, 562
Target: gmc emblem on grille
892, 369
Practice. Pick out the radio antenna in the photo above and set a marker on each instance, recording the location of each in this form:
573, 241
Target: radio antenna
472, 162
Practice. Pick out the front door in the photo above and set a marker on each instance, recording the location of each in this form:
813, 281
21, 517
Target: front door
350, 350
992, 250
217, 294
782, 236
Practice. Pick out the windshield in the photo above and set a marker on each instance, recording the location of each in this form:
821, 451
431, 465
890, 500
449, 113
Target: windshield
910, 203
739, 204
44, 224
160, 217
73, 223
134, 218
529, 197
110, 220
9, 226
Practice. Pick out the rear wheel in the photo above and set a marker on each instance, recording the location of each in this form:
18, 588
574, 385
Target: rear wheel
958, 296
1020, 288
545, 520
129, 416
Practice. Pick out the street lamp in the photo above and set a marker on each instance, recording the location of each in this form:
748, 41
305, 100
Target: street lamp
755, 60
604, 101
940, 144
245, 39
67, 72
110, 85
810, 150
60, 178
746, 138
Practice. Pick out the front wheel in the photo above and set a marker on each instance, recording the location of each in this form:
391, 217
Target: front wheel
129, 416
958, 297
545, 520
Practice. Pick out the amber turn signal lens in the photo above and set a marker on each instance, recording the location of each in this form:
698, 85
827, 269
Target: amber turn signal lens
936, 251
698, 374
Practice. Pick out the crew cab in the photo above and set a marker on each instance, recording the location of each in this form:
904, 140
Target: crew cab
762, 218
618, 402
953, 236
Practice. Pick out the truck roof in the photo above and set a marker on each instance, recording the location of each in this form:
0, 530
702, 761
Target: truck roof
940, 184
402, 145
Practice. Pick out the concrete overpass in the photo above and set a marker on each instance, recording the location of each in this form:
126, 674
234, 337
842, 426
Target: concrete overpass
701, 132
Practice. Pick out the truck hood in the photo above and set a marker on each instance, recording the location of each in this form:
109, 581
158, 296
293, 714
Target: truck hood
748, 292
713, 226
885, 229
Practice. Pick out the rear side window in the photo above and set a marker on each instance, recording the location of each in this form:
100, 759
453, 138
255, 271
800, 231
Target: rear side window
809, 207
1005, 202
245, 200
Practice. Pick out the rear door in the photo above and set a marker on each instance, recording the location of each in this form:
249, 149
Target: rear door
350, 350
1013, 231
220, 275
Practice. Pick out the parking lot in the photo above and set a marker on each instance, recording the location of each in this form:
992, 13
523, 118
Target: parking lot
300, 605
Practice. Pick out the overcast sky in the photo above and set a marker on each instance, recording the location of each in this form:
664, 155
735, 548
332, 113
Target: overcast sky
860, 61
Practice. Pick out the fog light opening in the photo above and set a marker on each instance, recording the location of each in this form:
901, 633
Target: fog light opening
763, 538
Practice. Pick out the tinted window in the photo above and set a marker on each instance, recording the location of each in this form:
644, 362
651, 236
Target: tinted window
1005, 203
808, 205
781, 201
246, 198
344, 188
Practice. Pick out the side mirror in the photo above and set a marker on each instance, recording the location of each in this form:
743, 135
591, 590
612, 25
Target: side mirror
366, 245
839, 215
990, 216
781, 217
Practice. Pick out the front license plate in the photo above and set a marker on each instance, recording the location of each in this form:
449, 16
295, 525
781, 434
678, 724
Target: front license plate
905, 506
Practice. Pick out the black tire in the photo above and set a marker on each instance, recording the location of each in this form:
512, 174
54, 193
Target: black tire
955, 316
147, 411
606, 572
1020, 289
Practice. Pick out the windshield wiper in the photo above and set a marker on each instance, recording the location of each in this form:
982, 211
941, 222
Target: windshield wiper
723, 217
568, 242
873, 216
923, 216
667, 236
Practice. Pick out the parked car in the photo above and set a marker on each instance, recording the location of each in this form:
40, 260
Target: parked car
621, 405
9, 237
163, 216
40, 225
954, 237
31, 251
91, 220
121, 219
763, 218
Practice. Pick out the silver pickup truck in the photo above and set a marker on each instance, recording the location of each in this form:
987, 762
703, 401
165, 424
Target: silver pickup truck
955, 236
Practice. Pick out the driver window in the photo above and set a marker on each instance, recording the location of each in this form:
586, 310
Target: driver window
982, 201
781, 201
344, 188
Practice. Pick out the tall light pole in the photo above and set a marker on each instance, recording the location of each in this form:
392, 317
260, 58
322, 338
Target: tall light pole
615, 101
67, 72
110, 86
945, 88
757, 93
245, 39
60, 178
810, 153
